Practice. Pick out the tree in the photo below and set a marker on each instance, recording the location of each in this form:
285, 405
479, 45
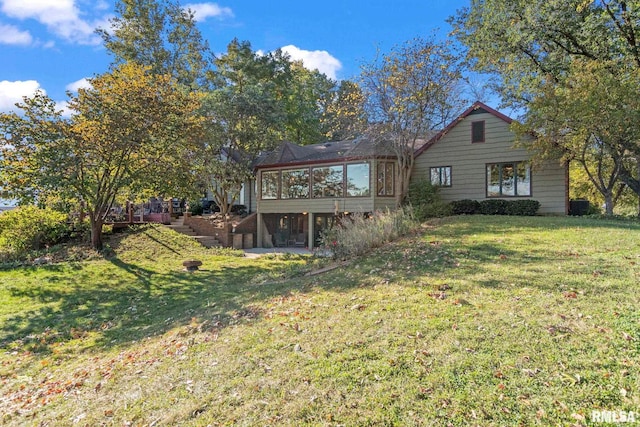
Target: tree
160, 34
529, 45
304, 96
246, 113
585, 119
133, 131
344, 115
412, 91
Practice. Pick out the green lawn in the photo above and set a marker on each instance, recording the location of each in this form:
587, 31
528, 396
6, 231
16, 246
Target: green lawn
475, 321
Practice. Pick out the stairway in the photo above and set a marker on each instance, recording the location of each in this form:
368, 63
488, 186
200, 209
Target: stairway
179, 226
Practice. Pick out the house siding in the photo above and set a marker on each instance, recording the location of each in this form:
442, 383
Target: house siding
468, 164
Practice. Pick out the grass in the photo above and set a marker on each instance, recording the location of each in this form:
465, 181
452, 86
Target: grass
475, 321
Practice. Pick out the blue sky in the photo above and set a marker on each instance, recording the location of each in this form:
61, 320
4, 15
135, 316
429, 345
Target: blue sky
51, 44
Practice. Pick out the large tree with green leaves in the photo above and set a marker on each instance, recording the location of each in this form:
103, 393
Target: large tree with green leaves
588, 119
160, 34
412, 91
132, 132
531, 44
246, 115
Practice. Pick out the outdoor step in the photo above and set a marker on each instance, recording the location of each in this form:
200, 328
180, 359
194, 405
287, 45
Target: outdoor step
183, 229
207, 241
180, 228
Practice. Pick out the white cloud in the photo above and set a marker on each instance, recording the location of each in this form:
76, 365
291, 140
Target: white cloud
10, 34
203, 11
63, 106
320, 60
12, 92
61, 17
79, 84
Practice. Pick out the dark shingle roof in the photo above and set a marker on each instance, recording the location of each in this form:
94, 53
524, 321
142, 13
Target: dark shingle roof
288, 153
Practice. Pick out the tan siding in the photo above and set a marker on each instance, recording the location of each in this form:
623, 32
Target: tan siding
468, 164
351, 204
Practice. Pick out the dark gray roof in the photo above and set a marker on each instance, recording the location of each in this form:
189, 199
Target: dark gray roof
290, 153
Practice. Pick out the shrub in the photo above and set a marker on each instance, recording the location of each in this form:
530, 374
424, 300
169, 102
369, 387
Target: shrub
196, 208
522, 207
426, 201
465, 207
437, 209
30, 228
358, 233
422, 193
493, 207
496, 207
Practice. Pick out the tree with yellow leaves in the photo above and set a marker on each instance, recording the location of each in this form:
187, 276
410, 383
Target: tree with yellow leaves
132, 132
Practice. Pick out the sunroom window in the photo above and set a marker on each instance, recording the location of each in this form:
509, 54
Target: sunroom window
269, 185
328, 181
385, 183
295, 184
358, 180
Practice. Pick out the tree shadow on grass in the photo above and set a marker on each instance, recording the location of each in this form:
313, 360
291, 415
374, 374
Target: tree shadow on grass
139, 302
136, 301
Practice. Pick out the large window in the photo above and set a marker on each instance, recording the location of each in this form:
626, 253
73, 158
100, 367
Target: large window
508, 179
295, 184
385, 182
358, 180
441, 176
477, 132
328, 181
269, 185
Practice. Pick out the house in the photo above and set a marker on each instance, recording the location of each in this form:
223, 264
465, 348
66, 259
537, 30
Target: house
475, 158
302, 189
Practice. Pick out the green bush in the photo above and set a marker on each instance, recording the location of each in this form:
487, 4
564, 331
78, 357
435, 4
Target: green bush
196, 208
30, 228
422, 193
493, 207
426, 201
465, 207
522, 207
358, 233
438, 209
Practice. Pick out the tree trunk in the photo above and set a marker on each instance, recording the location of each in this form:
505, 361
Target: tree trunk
608, 203
96, 234
638, 166
627, 178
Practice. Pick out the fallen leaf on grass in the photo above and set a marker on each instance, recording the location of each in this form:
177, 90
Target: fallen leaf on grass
530, 372
577, 416
438, 295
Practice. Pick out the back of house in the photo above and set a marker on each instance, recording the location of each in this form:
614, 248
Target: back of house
475, 158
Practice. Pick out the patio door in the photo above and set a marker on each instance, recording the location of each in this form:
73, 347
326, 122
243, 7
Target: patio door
289, 227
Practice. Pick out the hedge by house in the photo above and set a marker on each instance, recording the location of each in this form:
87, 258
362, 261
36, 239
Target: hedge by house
495, 207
